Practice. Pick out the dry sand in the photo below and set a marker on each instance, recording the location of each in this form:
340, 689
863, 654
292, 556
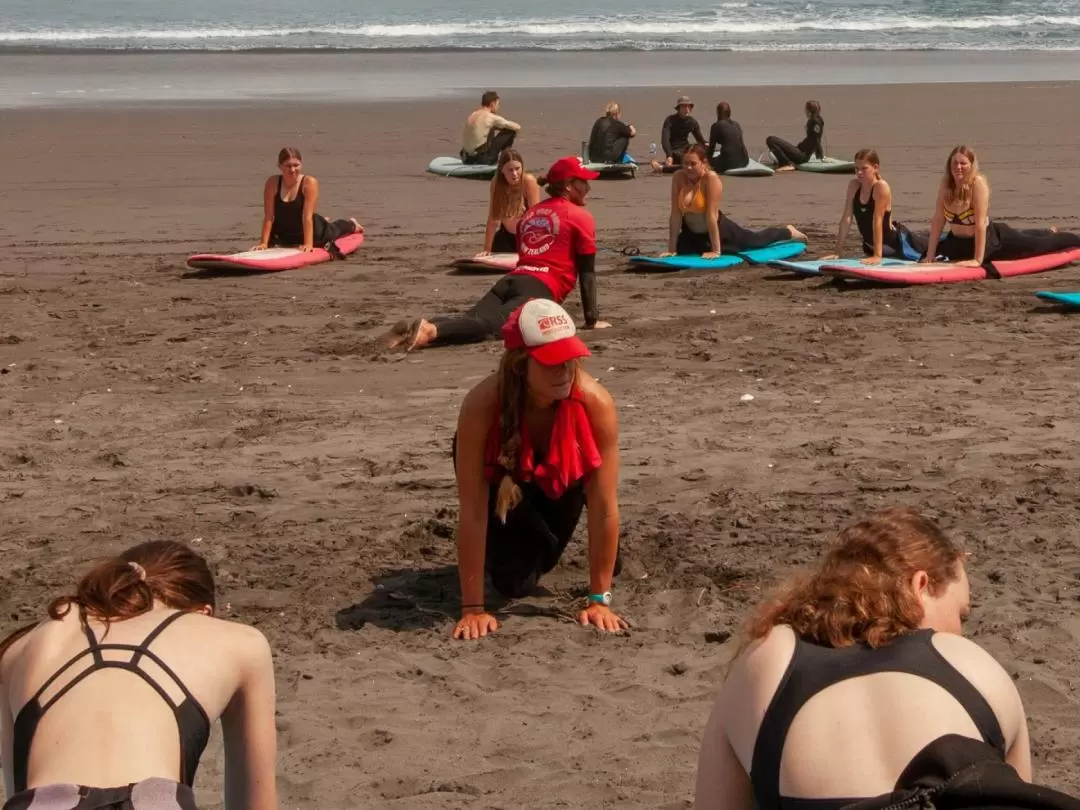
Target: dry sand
141, 402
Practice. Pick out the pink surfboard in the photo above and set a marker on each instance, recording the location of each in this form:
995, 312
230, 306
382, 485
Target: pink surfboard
947, 273
495, 263
272, 260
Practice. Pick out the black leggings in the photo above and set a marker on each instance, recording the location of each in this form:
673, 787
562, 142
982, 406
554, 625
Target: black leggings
487, 316
733, 238
504, 241
322, 231
1004, 242
498, 139
897, 243
786, 154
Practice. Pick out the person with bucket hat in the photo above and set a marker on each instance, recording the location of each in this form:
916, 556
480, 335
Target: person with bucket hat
675, 137
537, 442
556, 241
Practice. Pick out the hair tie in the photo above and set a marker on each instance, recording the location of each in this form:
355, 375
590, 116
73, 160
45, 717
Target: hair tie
140, 572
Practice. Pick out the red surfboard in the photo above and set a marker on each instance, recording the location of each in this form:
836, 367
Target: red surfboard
948, 273
272, 260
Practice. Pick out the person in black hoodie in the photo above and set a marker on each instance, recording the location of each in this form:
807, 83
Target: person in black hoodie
727, 135
675, 136
789, 156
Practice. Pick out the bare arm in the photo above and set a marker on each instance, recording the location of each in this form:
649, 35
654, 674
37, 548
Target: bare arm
675, 218
532, 191
980, 201
492, 220
845, 218
498, 122
937, 224
882, 203
7, 741
250, 731
311, 200
269, 190
602, 491
722, 782
714, 193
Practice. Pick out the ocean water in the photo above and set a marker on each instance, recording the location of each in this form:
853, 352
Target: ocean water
645, 25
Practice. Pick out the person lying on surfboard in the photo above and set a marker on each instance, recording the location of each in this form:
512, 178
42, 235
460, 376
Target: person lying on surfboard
536, 443
556, 250
513, 190
289, 216
963, 204
868, 201
697, 225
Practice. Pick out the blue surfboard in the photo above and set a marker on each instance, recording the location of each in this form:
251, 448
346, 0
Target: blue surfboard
773, 252
812, 267
1069, 299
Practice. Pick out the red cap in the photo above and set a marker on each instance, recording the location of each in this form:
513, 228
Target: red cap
546, 331
569, 168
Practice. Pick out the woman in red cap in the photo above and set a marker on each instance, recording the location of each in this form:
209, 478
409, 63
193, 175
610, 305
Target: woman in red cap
556, 248
536, 442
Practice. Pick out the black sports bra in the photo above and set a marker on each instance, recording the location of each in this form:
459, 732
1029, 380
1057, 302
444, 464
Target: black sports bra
814, 668
191, 720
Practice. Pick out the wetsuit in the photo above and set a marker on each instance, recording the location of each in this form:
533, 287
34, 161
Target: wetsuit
503, 241
1003, 242
733, 236
896, 240
609, 140
788, 155
288, 227
192, 724
728, 136
556, 247
675, 137
814, 668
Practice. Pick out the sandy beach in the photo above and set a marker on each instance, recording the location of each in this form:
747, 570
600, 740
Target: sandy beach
249, 415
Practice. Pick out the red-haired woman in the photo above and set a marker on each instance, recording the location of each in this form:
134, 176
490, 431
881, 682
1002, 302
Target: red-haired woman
849, 674
513, 191
289, 216
963, 204
108, 703
537, 441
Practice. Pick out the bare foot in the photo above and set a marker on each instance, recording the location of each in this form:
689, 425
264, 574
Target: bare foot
396, 337
796, 234
359, 227
785, 168
657, 166
421, 333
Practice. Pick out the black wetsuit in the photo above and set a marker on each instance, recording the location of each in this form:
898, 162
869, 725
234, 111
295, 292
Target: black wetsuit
727, 135
814, 668
504, 241
192, 723
288, 227
896, 240
733, 238
1004, 242
675, 137
787, 154
609, 140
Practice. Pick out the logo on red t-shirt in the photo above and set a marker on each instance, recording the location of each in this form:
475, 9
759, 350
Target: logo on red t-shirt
538, 232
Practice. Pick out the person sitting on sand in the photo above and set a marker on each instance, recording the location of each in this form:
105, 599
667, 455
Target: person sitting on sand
109, 702
698, 226
868, 201
610, 137
487, 133
675, 136
726, 148
513, 190
788, 156
846, 674
963, 204
536, 443
289, 216
556, 248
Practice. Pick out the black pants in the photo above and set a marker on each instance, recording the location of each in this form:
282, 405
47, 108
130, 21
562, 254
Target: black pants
1004, 242
898, 243
722, 164
786, 154
504, 241
487, 316
615, 153
322, 231
498, 139
733, 238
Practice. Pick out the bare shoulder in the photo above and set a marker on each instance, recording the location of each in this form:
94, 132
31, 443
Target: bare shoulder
310, 182
248, 644
882, 185
775, 648
971, 660
597, 399
715, 182
853, 184
483, 396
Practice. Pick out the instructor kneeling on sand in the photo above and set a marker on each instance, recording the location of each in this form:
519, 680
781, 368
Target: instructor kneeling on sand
536, 442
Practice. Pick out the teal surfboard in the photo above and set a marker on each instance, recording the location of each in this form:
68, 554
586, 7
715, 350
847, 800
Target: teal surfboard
453, 167
1069, 299
611, 171
774, 252
751, 169
828, 166
812, 267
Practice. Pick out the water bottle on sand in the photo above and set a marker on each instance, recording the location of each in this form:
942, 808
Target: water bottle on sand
652, 151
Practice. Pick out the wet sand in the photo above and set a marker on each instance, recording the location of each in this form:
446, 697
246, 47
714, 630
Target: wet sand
248, 414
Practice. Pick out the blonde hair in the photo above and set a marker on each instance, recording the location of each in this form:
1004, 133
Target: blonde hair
612, 108
507, 201
962, 192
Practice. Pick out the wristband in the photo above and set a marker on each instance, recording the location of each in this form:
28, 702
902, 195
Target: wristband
600, 598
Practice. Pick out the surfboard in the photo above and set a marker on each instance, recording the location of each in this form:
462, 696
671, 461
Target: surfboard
613, 171
949, 273
812, 267
1068, 299
775, 251
272, 260
828, 166
495, 263
453, 167
751, 169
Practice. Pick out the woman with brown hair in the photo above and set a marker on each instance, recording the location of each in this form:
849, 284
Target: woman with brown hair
109, 702
537, 442
848, 674
963, 204
513, 191
788, 155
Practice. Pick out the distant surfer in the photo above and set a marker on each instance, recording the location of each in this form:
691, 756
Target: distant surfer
537, 442
486, 132
610, 137
787, 155
726, 149
513, 191
675, 136
698, 226
289, 216
556, 242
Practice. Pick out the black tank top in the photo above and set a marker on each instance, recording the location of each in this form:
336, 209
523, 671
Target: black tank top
864, 218
288, 228
814, 668
191, 720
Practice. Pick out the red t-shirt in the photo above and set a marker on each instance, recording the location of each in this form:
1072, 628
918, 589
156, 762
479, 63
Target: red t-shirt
550, 235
